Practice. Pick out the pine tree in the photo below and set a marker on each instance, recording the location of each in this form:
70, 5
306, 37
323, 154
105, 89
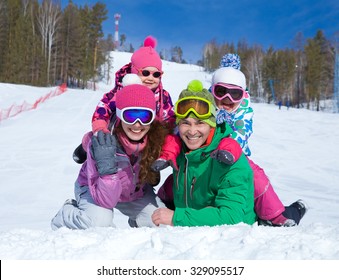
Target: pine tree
72, 45
4, 36
313, 71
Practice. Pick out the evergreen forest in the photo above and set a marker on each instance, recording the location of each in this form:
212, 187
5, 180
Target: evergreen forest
42, 44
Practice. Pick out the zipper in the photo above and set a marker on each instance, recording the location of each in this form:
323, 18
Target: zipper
192, 187
185, 181
136, 160
134, 179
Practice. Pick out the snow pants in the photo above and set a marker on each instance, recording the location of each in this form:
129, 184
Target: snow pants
267, 204
87, 214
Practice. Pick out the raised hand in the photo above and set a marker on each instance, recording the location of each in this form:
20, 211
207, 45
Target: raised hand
103, 150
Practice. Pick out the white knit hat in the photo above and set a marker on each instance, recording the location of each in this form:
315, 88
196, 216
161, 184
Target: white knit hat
229, 75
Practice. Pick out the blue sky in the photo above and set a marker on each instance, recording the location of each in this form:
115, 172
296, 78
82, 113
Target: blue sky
190, 24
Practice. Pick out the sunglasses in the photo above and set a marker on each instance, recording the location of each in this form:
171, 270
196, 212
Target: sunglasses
201, 107
235, 93
146, 73
130, 115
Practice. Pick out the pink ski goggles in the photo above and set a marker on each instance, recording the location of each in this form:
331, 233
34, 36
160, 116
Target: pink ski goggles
235, 93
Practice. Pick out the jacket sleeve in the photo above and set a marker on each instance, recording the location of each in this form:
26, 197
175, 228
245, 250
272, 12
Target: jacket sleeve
105, 190
106, 107
232, 146
171, 149
241, 123
242, 127
104, 110
167, 109
233, 201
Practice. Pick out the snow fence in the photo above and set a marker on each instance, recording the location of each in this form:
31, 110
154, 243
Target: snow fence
14, 109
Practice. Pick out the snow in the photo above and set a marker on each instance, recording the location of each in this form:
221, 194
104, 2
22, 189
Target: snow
297, 149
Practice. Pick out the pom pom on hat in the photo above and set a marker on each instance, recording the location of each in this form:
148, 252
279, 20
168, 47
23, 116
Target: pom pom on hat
146, 56
135, 96
231, 60
150, 42
195, 88
229, 75
131, 79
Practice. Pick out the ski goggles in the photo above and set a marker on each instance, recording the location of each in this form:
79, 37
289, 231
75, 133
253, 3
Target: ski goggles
146, 73
130, 115
235, 93
201, 107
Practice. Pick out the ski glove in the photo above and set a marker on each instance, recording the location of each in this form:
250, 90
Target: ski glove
160, 164
227, 152
223, 156
169, 153
103, 150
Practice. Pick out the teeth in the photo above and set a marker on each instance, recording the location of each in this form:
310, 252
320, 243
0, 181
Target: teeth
136, 130
193, 137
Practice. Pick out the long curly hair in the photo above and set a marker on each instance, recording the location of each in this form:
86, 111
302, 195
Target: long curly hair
155, 139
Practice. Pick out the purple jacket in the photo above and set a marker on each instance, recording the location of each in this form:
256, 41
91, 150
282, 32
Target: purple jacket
108, 190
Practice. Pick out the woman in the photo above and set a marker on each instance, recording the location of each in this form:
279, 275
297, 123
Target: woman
117, 171
206, 191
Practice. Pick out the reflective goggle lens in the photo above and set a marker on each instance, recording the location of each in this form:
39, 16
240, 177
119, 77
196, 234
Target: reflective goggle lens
200, 107
221, 91
131, 116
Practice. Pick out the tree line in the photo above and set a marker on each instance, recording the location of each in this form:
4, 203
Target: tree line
42, 44
302, 76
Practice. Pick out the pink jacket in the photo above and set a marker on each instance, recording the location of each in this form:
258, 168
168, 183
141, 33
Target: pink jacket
108, 190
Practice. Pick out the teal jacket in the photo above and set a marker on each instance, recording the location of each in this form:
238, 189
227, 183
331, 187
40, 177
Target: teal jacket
209, 193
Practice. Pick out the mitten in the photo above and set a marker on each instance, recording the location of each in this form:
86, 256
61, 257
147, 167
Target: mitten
168, 157
228, 151
103, 151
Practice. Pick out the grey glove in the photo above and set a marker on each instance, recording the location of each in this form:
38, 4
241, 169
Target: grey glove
223, 156
160, 164
103, 150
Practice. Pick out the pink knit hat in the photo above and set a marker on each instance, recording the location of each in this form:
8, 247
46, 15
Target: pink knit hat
146, 56
135, 96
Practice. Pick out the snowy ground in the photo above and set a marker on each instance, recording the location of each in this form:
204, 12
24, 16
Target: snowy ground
297, 148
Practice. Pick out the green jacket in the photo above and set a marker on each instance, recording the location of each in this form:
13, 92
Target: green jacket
209, 193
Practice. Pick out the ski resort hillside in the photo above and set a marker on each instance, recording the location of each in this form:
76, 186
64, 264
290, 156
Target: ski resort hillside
297, 148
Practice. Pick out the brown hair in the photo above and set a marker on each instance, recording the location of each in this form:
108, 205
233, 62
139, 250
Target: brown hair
155, 140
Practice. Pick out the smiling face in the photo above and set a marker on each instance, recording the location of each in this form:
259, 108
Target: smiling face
194, 132
150, 81
232, 80
135, 131
227, 104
